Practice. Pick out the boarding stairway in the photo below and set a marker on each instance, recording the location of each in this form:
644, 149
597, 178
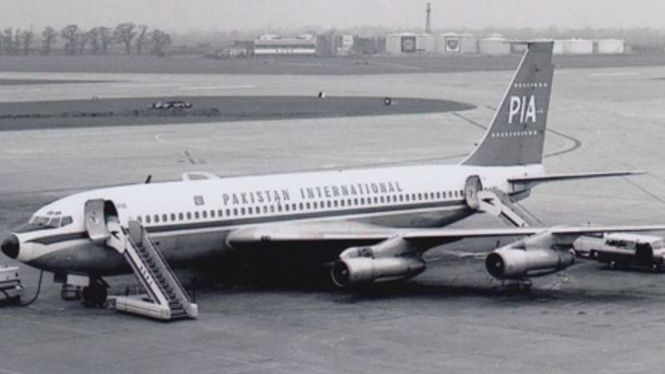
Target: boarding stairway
165, 297
497, 203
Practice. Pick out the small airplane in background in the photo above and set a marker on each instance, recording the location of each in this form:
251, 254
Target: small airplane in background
371, 225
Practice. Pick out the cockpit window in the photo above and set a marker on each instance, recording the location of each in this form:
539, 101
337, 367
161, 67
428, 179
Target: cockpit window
54, 222
51, 222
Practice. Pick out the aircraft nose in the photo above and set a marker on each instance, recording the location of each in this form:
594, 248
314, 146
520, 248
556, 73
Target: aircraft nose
10, 246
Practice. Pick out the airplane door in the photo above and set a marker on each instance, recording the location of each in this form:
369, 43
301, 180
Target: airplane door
95, 220
471, 188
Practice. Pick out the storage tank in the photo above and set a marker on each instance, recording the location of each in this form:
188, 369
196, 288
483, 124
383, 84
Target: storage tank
578, 47
401, 43
426, 43
611, 46
494, 45
456, 43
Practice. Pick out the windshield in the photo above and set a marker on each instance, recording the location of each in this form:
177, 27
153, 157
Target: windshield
50, 222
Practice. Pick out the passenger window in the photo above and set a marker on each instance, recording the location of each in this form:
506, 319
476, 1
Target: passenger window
228, 212
181, 216
341, 203
242, 211
438, 195
279, 208
165, 218
382, 200
205, 214
147, 219
287, 207
376, 200
140, 219
197, 215
156, 217
212, 214
172, 217
189, 215
307, 206
219, 213
315, 205
250, 210
329, 204
335, 203
362, 201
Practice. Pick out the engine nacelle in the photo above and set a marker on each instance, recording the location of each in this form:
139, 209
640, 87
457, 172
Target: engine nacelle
510, 263
355, 270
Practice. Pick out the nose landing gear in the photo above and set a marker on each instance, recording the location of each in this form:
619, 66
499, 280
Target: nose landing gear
94, 295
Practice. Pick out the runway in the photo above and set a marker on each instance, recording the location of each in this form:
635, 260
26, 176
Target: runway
451, 319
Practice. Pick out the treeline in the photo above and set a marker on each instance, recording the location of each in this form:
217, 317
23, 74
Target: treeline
138, 39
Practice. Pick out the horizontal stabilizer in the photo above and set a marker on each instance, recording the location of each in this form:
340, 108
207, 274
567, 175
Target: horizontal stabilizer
532, 181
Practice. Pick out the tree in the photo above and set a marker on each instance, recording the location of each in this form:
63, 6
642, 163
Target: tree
160, 40
124, 33
48, 39
8, 40
17, 42
84, 37
71, 34
28, 37
105, 38
94, 38
141, 38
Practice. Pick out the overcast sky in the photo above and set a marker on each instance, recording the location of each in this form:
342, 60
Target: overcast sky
188, 15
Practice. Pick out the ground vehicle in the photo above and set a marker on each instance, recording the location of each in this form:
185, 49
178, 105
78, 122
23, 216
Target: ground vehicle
11, 289
171, 104
622, 249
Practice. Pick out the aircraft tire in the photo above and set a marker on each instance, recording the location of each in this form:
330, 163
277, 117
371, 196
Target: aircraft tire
94, 295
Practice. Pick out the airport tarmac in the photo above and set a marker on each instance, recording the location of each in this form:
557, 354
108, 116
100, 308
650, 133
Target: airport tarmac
452, 318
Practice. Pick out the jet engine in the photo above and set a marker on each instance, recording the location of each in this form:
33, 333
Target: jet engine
512, 263
366, 270
391, 259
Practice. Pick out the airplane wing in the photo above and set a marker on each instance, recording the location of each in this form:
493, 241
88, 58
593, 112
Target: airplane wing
356, 232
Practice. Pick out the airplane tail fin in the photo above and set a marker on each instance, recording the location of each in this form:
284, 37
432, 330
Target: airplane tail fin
517, 133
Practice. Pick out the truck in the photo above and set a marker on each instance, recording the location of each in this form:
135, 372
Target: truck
11, 289
622, 250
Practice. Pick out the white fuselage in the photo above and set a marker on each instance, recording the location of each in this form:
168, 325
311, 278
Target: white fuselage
191, 219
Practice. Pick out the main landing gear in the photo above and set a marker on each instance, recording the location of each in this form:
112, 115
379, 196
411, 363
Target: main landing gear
94, 295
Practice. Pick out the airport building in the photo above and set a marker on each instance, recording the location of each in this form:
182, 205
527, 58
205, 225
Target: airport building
410, 43
272, 45
577, 47
611, 46
455, 43
494, 44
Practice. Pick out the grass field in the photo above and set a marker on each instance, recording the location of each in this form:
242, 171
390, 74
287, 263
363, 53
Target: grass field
136, 111
305, 65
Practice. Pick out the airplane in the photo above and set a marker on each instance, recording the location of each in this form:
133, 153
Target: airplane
370, 224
